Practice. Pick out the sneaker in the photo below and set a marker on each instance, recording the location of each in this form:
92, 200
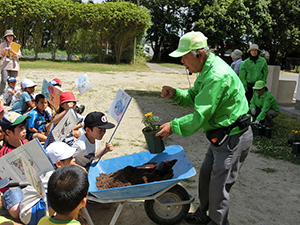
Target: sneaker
194, 219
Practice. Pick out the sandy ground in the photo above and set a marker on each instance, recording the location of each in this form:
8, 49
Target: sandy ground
257, 197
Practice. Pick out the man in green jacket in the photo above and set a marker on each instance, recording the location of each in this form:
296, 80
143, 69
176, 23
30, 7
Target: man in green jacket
263, 104
218, 98
253, 69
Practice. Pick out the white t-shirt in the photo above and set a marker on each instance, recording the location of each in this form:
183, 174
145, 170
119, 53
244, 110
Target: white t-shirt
31, 197
83, 148
8, 96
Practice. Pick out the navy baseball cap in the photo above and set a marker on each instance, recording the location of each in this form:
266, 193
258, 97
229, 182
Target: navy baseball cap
11, 79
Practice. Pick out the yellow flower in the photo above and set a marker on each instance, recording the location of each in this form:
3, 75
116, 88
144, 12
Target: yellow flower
151, 122
293, 131
148, 114
296, 132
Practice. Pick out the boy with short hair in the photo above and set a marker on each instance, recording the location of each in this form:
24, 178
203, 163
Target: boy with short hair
11, 89
67, 194
13, 125
32, 206
26, 101
95, 125
40, 118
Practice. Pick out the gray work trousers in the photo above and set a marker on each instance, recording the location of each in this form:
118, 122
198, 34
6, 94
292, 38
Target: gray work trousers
218, 173
4, 76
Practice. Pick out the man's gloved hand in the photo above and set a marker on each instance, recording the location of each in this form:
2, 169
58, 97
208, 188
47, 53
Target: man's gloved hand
253, 111
256, 122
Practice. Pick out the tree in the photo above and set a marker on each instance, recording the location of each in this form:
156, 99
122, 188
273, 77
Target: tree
169, 19
214, 24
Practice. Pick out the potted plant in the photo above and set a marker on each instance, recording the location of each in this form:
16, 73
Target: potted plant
294, 141
151, 122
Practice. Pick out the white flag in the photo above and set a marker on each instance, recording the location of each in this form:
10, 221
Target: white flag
119, 105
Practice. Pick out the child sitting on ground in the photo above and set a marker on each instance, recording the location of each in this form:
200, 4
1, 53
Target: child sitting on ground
17, 95
13, 125
38, 123
26, 101
32, 206
11, 89
67, 194
95, 125
56, 83
67, 101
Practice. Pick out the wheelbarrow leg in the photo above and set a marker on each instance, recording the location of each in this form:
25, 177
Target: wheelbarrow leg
117, 213
87, 216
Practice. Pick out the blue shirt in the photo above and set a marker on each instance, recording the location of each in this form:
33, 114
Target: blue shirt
37, 119
21, 106
236, 66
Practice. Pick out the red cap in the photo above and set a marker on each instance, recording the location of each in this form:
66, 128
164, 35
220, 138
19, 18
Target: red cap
67, 97
57, 81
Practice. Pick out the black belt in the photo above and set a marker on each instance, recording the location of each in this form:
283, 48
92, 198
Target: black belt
219, 135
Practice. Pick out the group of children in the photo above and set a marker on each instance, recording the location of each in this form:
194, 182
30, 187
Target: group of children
71, 157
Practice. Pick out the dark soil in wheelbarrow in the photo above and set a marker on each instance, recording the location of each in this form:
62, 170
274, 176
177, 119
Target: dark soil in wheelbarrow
135, 175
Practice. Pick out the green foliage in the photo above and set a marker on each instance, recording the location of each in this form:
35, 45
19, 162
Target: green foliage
72, 26
231, 24
151, 122
277, 147
28, 52
294, 135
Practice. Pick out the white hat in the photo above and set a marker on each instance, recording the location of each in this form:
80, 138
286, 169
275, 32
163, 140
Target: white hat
27, 83
58, 151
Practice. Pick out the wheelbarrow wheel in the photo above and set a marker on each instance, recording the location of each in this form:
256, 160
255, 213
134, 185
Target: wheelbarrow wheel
168, 214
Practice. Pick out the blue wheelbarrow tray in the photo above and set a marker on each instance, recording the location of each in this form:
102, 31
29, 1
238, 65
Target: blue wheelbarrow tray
182, 169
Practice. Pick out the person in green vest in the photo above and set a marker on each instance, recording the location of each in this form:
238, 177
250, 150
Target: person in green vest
220, 108
263, 106
253, 69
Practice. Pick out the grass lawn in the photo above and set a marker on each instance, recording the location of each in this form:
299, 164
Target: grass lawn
277, 147
83, 66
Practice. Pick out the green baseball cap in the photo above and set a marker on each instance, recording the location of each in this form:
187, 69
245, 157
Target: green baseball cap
260, 84
188, 42
11, 119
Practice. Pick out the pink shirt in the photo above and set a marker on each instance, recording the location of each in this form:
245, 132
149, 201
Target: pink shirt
9, 63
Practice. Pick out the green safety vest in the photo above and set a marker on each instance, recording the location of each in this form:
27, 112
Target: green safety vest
218, 98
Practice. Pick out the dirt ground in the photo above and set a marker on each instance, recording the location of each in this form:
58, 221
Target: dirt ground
258, 197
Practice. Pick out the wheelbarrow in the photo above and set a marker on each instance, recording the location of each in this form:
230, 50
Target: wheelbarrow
165, 202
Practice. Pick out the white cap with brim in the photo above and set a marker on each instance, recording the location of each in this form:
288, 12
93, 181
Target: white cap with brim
188, 42
26, 83
58, 151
